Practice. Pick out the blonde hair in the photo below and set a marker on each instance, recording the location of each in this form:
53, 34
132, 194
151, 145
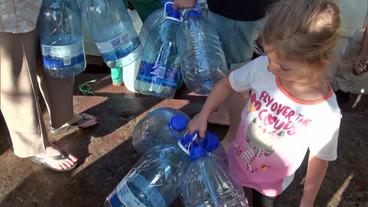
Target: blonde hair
303, 29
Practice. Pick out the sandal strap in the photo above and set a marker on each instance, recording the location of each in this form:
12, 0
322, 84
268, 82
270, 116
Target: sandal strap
62, 156
84, 117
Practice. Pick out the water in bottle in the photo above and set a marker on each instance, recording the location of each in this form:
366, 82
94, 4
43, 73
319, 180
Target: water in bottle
154, 180
202, 59
159, 71
159, 126
61, 38
109, 24
211, 179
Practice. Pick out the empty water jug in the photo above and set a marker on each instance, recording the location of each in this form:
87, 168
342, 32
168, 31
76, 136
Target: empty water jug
153, 20
154, 181
211, 179
61, 38
159, 126
159, 71
109, 24
214, 149
202, 59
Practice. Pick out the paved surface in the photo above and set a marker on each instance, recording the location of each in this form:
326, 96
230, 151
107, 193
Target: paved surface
106, 154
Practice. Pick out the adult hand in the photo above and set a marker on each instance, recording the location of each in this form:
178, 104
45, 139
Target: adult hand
360, 66
183, 4
198, 123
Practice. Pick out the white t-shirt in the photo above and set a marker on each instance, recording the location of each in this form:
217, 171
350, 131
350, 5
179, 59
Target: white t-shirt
277, 129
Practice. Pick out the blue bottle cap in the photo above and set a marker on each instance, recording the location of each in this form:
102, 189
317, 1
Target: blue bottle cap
196, 151
171, 12
194, 13
210, 142
179, 122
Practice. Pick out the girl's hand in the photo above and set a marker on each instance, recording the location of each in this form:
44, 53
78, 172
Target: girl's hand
360, 65
183, 4
198, 123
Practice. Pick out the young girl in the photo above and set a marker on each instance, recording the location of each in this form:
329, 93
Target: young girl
291, 109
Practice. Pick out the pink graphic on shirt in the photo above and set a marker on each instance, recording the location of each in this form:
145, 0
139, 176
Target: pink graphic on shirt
269, 122
259, 143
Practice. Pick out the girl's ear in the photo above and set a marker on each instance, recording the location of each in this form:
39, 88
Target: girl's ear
324, 63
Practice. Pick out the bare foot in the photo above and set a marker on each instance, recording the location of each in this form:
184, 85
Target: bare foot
56, 159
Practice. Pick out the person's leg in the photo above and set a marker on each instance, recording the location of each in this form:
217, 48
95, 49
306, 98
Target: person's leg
237, 39
260, 200
58, 96
19, 101
344, 79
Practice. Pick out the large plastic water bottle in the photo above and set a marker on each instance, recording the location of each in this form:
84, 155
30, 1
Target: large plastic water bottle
153, 20
61, 38
202, 59
159, 126
130, 71
157, 17
109, 24
159, 71
211, 179
154, 180
211, 144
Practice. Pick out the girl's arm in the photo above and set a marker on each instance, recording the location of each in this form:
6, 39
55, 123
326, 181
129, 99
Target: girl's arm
218, 95
316, 172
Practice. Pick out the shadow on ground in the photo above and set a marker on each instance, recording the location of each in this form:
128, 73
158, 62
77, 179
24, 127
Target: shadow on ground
106, 154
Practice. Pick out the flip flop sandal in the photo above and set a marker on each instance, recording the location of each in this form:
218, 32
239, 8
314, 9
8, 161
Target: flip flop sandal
43, 161
85, 121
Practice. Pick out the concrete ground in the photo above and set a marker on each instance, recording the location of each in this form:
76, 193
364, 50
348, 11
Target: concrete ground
106, 154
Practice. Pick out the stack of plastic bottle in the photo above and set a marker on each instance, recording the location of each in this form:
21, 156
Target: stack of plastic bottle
159, 71
61, 38
202, 59
109, 24
185, 166
209, 179
159, 126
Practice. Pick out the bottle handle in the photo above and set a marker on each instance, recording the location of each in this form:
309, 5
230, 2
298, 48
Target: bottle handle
186, 148
166, 16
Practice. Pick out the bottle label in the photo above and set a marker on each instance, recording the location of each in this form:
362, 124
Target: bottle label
59, 57
118, 47
160, 75
127, 197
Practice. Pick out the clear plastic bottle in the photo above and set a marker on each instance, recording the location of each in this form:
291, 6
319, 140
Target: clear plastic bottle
61, 38
154, 180
202, 59
159, 71
109, 24
214, 149
211, 179
153, 20
160, 126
